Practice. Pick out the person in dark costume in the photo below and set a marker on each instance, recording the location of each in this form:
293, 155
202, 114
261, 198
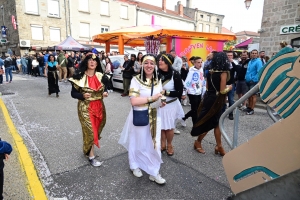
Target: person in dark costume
210, 109
52, 76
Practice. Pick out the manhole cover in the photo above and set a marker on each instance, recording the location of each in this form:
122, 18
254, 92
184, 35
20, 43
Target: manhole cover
6, 93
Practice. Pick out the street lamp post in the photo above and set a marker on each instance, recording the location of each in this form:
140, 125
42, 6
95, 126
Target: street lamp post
247, 3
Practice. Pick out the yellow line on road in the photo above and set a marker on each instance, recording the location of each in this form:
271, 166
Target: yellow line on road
35, 187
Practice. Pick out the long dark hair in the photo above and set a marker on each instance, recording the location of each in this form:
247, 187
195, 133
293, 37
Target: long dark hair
84, 65
52, 56
137, 57
220, 62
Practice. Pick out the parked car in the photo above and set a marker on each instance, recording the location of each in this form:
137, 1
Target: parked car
117, 79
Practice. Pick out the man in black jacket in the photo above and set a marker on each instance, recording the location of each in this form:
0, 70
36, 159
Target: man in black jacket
233, 69
41, 66
71, 64
127, 70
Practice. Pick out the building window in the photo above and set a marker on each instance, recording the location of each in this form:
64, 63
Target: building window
37, 32
84, 30
54, 34
83, 5
217, 29
104, 9
53, 8
31, 6
124, 12
207, 28
201, 16
200, 27
208, 18
218, 19
104, 29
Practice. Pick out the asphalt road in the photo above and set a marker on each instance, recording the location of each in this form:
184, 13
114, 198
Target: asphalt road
52, 133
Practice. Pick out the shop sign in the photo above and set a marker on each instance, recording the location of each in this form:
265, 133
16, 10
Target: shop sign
289, 29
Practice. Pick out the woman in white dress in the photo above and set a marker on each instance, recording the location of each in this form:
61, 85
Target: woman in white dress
143, 142
172, 89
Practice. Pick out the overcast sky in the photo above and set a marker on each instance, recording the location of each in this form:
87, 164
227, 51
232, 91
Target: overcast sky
236, 14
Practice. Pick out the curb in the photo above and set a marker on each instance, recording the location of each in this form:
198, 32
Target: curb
34, 187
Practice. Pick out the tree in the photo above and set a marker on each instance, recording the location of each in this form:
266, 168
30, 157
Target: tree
229, 45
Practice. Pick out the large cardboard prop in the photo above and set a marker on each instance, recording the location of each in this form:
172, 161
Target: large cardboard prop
275, 151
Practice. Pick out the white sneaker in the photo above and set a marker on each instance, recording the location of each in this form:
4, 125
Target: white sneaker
243, 108
95, 162
182, 122
158, 179
176, 131
137, 172
111, 91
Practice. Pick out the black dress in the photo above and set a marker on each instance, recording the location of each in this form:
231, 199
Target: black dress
52, 78
210, 109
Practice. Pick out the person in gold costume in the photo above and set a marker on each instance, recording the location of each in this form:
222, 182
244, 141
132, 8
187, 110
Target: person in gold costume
88, 86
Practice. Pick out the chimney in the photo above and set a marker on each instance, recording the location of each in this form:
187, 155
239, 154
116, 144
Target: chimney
164, 5
180, 8
189, 3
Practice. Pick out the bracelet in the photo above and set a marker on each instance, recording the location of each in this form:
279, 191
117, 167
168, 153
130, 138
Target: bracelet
225, 91
168, 93
150, 100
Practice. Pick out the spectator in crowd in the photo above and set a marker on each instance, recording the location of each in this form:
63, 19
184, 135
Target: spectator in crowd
177, 61
89, 89
262, 57
267, 58
18, 61
143, 142
51, 68
5, 150
210, 109
24, 63
193, 84
127, 75
109, 69
8, 68
41, 61
1, 70
233, 68
70, 64
241, 86
185, 68
207, 63
14, 63
35, 67
29, 65
62, 66
172, 89
192, 61
251, 77
138, 63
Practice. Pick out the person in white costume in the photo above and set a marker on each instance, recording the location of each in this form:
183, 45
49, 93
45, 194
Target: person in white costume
143, 142
172, 89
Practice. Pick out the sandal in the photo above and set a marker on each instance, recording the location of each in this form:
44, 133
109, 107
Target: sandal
170, 150
198, 147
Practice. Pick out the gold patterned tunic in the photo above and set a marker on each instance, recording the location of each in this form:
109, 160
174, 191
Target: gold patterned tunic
91, 111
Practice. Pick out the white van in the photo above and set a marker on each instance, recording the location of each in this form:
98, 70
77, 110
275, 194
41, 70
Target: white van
117, 78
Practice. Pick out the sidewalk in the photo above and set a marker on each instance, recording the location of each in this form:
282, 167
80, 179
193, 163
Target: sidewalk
15, 181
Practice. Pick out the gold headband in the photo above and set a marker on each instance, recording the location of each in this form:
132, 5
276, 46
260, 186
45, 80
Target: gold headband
149, 58
166, 57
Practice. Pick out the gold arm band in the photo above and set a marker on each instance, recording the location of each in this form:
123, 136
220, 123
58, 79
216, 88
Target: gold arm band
225, 91
150, 100
133, 92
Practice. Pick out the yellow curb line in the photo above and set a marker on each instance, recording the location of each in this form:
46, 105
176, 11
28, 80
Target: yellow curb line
35, 186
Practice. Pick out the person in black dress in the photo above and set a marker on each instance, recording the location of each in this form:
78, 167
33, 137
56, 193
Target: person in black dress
51, 67
210, 109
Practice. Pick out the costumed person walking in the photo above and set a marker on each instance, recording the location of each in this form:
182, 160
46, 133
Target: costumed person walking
210, 108
142, 140
51, 67
89, 87
172, 89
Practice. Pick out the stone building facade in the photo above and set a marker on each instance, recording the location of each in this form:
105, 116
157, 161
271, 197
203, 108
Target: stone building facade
40, 23
203, 21
280, 22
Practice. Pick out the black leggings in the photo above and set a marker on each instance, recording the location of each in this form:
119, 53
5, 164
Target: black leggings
195, 102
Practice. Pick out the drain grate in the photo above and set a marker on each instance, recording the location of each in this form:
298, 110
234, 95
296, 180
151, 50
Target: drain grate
6, 93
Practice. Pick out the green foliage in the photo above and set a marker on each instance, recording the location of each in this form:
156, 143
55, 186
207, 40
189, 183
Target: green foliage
229, 44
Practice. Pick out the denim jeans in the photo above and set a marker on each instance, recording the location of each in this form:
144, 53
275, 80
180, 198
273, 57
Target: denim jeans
230, 95
8, 71
1, 78
24, 69
41, 68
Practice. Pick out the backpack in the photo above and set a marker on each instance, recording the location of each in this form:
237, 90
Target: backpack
7, 63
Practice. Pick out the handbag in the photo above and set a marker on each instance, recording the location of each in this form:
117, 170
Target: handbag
141, 117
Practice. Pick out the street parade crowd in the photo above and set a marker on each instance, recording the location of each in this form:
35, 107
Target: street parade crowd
157, 86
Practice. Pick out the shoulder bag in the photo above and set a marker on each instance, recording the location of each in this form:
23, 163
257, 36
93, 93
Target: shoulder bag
141, 117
